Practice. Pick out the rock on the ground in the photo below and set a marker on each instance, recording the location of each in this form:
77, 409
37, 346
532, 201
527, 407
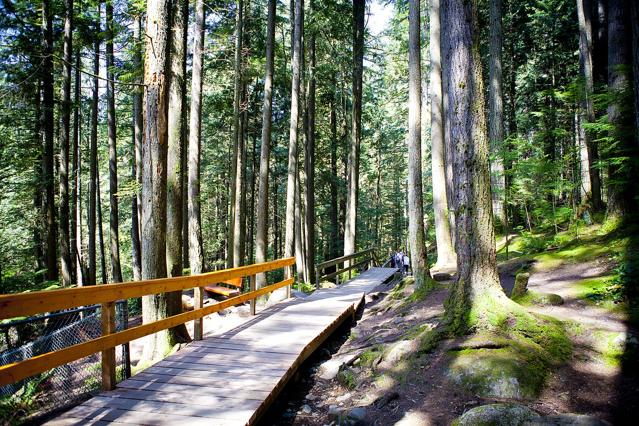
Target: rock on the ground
328, 369
397, 352
306, 409
442, 276
357, 414
568, 419
521, 285
414, 418
497, 415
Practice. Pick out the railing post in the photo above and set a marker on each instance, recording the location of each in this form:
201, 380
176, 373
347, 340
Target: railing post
252, 288
198, 302
288, 272
108, 355
317, 278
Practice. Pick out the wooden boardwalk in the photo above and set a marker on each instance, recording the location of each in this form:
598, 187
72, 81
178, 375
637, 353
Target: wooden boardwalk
233, 377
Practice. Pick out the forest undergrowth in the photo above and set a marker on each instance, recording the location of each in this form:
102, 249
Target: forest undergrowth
568, 355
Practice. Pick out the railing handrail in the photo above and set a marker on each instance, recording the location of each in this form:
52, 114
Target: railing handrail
337, 260
37, 302
320, 267
17, 371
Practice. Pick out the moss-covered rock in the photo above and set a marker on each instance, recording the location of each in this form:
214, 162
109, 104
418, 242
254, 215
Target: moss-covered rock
496, 415
543, 299
521, 285
501, 372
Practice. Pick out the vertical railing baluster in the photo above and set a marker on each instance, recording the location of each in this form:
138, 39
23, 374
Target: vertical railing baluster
198, 302
252, 288
108, 356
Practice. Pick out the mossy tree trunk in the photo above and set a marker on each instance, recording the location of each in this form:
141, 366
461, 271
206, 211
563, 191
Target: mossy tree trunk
154, 168
415, 197
477, 285
445, 252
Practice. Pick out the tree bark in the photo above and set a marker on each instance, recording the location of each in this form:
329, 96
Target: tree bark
154, 173
93, 157
65, 136
291, 185
261, 232
234, 203
415, 196
136, 163
350, 227
76, 202
584, 14
103, 268
309, 163
496, 112
195, 131
446, 257
176, 144
620, 170
334, 234
46, 123
114, 234
635, 61
477, 281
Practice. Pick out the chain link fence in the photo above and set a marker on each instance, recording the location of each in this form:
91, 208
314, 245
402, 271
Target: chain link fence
62, 386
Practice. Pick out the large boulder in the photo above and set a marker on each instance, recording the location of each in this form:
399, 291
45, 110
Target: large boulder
501, 372
496, 415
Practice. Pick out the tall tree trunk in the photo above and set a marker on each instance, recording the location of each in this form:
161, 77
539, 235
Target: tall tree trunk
496, 112
261, 232
334, 234
584, 13
446, 257
240, 183
103, 267
350, 227
175, 141
620, 170
291, 185
477, 281
237, 135
300, 260
195, 131
415, 197
46, 123
136, 163
65, 136
39, 189
114, 234
176, 144
93, 157
635, 61
154, 173
76, 230
600, 43
309, 162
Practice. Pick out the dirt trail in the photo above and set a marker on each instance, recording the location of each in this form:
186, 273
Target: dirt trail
591, 382
561, 281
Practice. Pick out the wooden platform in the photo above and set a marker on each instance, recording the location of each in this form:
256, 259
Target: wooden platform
230, 378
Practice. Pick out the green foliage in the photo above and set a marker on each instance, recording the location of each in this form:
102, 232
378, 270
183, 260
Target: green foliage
346, 377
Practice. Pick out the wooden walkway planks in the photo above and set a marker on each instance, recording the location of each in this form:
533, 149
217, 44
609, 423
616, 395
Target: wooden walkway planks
230, 378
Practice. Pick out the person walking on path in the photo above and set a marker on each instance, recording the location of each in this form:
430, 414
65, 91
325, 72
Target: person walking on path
406, 262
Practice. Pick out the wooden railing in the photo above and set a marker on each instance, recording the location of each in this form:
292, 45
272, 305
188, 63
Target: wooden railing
25, 304
366, 257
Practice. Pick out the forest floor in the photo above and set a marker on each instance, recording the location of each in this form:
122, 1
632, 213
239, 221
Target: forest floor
394, 361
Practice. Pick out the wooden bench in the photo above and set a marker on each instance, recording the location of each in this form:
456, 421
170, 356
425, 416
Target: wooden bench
226, 291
